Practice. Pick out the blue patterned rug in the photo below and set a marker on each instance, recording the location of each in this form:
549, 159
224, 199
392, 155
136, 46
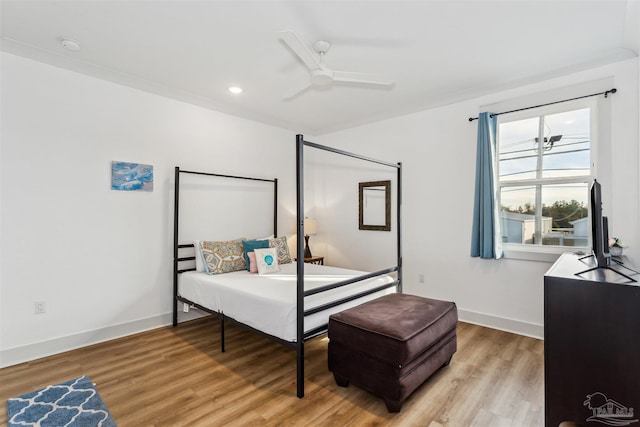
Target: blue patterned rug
75, 403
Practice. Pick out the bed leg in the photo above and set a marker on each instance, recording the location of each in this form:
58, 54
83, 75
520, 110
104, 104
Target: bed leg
222, 333
175, 312
300, 369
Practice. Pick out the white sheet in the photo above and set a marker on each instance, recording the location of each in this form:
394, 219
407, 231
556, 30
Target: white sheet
268, 302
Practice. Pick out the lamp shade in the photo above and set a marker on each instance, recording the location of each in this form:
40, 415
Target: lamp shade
310, 226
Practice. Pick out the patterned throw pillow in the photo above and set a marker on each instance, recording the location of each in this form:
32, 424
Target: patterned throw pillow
282, 248
223, 257
267, 260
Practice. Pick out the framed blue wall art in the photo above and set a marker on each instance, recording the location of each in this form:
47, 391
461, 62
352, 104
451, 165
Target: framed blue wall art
131, 176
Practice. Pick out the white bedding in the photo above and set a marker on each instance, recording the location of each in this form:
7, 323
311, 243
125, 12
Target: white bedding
268, 302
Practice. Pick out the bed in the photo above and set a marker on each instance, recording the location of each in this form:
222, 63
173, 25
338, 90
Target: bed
268, 302
294, 304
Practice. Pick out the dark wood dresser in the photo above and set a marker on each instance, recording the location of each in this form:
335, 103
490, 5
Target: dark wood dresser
591, 344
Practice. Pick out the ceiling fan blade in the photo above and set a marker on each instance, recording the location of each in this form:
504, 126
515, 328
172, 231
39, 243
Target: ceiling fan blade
366, 78
297, 93
296, 45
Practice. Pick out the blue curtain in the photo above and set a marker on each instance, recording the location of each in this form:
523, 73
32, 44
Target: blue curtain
485, 240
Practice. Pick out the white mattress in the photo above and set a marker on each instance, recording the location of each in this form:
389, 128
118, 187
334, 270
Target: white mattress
268, 302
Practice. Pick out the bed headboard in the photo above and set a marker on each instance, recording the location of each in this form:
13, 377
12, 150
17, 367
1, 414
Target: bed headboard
180, 262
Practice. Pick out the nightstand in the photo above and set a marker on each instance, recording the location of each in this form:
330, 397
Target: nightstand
314, 260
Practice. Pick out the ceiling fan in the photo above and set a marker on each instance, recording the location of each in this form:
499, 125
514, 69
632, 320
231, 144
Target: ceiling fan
320, 74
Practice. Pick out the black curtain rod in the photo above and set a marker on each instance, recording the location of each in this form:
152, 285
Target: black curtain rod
605, 93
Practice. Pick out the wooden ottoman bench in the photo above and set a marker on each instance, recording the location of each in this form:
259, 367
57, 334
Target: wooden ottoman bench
389, 346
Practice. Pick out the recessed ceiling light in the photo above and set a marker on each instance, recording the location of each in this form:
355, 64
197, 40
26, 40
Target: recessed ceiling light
235, 90
70, 45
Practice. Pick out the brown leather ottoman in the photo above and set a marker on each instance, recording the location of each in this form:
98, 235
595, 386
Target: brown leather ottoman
391, 345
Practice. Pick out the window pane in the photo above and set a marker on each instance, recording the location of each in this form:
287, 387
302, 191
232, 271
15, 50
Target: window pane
517, 214
567, 144
517, 149
564, 215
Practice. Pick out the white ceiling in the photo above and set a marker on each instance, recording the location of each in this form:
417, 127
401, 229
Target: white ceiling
437, 52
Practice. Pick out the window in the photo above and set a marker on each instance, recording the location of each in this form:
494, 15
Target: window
545, 168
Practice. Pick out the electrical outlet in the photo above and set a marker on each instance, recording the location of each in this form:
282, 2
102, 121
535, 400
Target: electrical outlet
41, 307
421, 278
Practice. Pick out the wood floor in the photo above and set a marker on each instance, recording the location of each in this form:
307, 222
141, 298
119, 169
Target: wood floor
178, 376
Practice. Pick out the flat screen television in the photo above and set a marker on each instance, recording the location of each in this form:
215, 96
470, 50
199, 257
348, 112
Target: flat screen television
599, 227
601, 269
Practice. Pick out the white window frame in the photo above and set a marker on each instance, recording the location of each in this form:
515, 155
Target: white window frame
539, 252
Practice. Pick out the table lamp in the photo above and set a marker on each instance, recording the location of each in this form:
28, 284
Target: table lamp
310, 227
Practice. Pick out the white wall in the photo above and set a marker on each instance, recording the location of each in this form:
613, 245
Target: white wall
102, 259
333, 183
437, 148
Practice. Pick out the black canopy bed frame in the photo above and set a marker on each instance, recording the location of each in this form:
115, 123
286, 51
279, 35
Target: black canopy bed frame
301, 313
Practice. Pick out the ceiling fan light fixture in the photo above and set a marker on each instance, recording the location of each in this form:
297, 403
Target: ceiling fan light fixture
321, 77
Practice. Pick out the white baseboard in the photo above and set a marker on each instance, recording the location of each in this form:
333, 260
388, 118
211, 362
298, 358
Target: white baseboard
26, 353
502, 323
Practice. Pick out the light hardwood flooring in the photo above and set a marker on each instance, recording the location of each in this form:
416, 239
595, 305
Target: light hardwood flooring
178, 376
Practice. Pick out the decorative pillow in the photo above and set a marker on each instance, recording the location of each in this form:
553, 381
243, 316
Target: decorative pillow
267, 260
250, 245
223, 257
200, 265
282, 248
266, 238
253, 266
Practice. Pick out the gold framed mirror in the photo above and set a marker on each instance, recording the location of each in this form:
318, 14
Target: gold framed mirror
374, 202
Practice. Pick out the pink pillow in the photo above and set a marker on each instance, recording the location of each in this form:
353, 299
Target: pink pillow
253, 266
